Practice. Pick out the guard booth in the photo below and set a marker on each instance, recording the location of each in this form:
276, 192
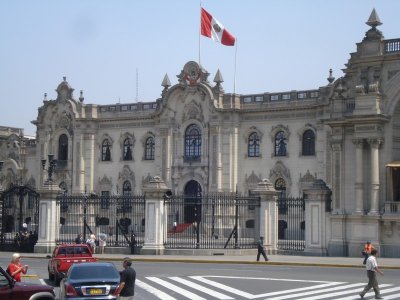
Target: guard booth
19, 214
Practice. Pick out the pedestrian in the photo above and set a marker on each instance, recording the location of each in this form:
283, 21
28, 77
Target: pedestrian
92, 243
79, 239
367, 251
372, 269
126, 289
102, 242
261, 249
15, 268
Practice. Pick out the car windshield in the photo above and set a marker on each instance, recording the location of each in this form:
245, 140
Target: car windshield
93, 272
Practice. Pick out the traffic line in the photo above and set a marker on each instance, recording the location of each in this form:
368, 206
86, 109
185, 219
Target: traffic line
383, 292
201, 288
318, 291
153, 290
334, 294
224, 287
176, 288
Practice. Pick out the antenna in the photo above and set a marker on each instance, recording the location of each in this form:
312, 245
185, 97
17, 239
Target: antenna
137, 85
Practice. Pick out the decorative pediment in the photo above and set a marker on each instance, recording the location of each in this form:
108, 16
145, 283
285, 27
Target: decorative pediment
126, 175
280, 171
192, 111
64, 90
192, 74
252, 181
105, 183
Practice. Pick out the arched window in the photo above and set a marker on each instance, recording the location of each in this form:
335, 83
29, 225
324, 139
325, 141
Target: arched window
106, 150
127, 149
280, 144
308, 142
280, 187
63, 147
193, 142
253, 145
149, 149
126, 188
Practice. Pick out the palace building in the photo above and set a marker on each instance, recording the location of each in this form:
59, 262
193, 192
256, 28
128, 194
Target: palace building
200, 139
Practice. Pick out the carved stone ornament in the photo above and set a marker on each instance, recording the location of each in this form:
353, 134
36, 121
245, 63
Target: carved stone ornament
192, 111
192, 74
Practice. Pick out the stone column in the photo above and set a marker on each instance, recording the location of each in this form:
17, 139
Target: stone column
359, 182
155, 218
49, 218
316, 198
268, 214
374, 144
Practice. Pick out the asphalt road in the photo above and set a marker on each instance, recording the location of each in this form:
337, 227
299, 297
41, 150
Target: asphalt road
169, 281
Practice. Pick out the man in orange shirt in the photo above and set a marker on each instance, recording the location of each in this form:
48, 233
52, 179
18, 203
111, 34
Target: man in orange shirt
367, 251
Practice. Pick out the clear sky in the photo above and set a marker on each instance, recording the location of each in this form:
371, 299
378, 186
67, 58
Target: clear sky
101, 46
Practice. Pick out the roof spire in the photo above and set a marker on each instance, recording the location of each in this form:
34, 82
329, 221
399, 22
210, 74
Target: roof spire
373, 20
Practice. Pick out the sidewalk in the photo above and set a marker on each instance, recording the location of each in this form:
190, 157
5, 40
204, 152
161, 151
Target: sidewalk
355, 262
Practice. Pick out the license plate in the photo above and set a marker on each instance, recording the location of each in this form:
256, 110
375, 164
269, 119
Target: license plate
95, 291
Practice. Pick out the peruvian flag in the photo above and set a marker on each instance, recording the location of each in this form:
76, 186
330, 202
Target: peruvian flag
212, 28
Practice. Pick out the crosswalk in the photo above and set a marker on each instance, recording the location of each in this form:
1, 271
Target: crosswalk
212, 287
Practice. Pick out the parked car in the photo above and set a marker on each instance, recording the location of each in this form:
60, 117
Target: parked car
64, 256
96, 281
12, 290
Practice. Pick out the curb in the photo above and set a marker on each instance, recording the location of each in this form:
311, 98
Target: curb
272, 263
244, 262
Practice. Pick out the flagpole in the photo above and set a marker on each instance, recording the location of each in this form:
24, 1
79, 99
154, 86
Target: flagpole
234, 73
200, 34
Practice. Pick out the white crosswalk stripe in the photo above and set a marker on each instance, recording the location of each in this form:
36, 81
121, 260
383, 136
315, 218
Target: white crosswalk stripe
156, 292
201, 288
383, 292
208, 287
176, 288
335, 294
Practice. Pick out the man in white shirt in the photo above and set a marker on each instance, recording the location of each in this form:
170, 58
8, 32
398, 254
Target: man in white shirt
372, 269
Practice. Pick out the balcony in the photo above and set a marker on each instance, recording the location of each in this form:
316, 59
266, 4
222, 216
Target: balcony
392, 207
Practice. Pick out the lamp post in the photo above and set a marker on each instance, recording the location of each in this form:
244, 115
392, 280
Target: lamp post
52, 162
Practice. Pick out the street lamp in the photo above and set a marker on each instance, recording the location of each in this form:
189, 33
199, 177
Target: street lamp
52, 162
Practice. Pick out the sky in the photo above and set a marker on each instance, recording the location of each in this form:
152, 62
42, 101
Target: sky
119, 51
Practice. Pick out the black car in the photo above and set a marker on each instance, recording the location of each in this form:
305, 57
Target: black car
94, 280
12, 290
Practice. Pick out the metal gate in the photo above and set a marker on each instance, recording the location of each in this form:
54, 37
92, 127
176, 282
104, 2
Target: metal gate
214, 221
19, 219
120, 219
291, 224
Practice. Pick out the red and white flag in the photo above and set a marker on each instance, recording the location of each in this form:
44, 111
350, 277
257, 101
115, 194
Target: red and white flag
212, 28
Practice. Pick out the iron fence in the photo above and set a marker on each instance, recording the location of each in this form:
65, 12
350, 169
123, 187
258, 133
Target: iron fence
119, 218
213, 221
19, 219
291, 224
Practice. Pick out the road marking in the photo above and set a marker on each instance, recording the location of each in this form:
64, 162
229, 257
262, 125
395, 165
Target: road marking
318, 291
334, 294
42, 281
252, 296
175, 288
153, 290
201, 288
386, 291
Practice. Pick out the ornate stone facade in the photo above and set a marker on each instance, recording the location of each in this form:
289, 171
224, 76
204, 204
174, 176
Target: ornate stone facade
198, 138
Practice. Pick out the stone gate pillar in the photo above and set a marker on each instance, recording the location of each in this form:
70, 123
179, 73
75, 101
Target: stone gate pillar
268, 214
155, 218
49, 218
316, 199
